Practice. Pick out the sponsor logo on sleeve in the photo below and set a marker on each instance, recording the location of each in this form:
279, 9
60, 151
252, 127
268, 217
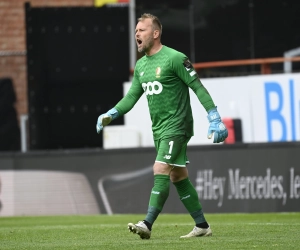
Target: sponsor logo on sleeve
187, 64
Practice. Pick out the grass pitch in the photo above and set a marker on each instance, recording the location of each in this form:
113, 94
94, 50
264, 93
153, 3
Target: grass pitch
230, 231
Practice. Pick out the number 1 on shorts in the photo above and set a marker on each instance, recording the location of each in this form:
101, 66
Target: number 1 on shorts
171, 146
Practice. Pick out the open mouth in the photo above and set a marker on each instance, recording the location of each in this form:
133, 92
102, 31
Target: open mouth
138, 41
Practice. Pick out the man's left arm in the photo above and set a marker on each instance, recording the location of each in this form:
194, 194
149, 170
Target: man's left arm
203, 95
186, 72
216, 126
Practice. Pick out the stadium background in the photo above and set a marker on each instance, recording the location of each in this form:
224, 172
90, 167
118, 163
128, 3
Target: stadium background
222, 30
275, 30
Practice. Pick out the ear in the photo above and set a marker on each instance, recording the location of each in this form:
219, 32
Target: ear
155, 34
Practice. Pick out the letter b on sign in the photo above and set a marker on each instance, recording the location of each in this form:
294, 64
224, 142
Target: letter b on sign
274, 113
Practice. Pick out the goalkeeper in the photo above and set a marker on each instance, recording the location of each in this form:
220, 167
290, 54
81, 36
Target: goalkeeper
165, 76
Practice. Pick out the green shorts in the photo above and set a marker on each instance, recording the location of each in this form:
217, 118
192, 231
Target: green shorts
172, 150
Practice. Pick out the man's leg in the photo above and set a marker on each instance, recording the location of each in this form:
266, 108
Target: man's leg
158, 197
171, 152
189, 197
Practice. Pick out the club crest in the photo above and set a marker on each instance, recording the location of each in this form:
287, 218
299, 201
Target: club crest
157, 72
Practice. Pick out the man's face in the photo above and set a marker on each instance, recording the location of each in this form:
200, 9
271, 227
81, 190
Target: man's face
144, 35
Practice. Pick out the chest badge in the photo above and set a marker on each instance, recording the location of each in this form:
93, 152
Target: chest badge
157, 72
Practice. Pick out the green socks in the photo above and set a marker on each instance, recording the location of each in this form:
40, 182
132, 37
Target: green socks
158, 197
189, 198
186, 192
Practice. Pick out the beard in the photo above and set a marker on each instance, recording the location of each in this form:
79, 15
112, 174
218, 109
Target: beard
147, 45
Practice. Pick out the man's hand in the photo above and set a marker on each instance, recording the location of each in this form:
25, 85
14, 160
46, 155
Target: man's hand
106, 118
216, 126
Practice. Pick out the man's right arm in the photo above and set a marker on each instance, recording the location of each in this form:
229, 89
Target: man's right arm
131, 98
122, 107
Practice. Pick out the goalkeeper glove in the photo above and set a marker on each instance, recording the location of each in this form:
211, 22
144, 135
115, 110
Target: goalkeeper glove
106, 118
216, 126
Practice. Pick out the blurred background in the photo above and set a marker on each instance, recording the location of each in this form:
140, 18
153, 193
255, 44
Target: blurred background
65, 62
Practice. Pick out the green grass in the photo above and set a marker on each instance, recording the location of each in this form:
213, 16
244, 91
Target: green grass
230, 231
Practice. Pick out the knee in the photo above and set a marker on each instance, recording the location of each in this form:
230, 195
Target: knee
177, 177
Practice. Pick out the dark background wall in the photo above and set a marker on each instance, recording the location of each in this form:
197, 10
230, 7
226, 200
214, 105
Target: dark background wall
229, 29
77, 61
9, 129
224, 29
13, 43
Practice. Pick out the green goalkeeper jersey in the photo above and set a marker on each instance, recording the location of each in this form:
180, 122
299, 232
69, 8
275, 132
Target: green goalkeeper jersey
165, 78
